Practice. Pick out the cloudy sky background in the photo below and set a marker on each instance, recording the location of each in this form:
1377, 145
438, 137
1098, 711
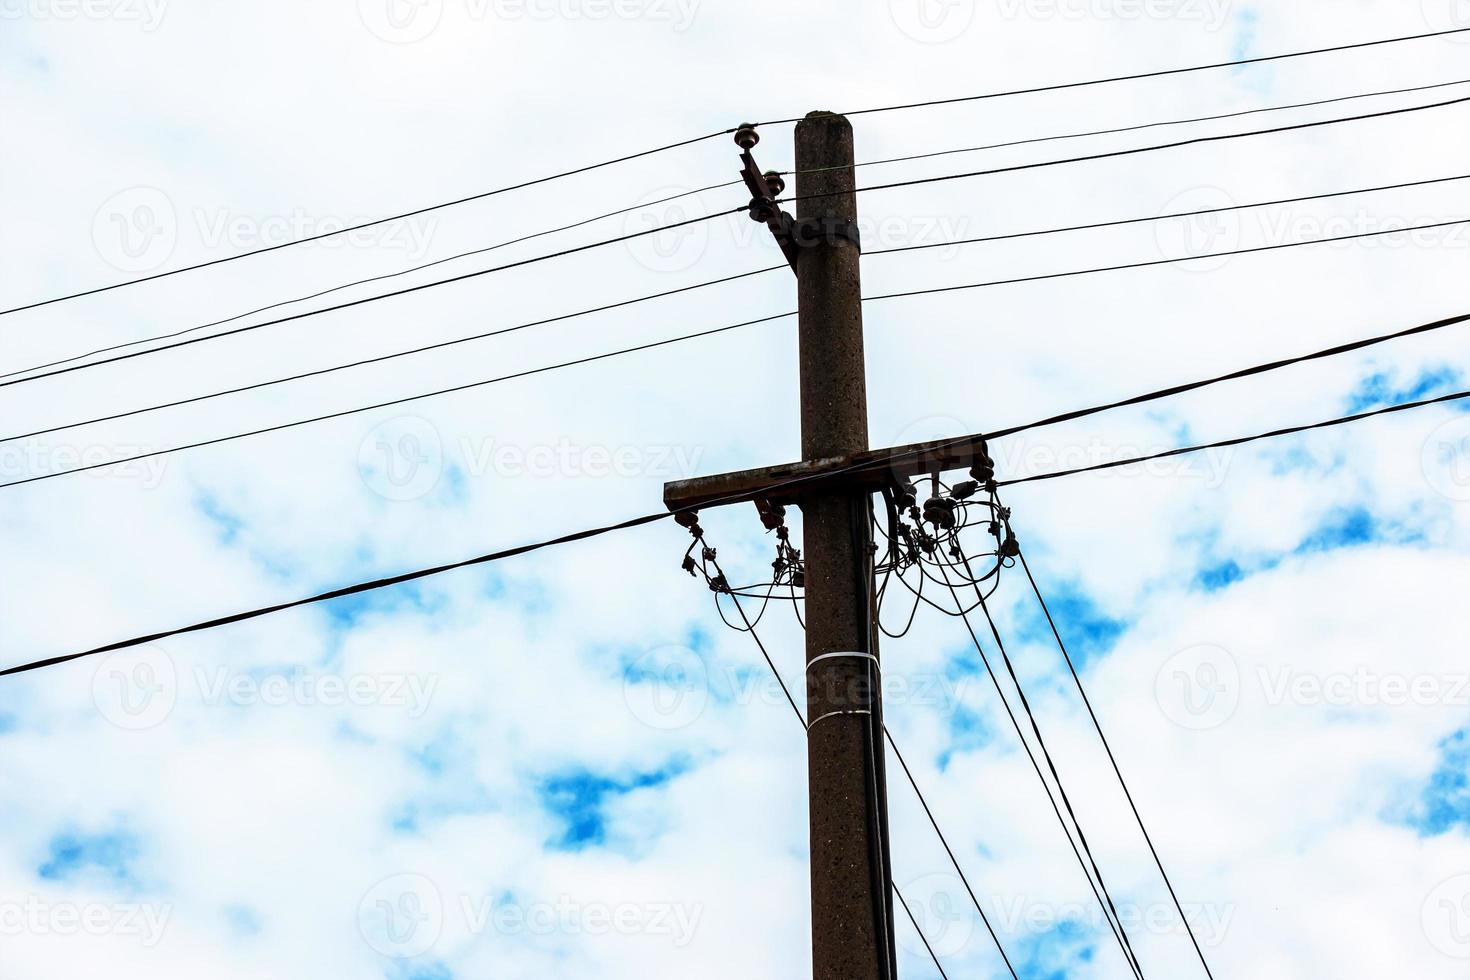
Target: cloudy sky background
564, 765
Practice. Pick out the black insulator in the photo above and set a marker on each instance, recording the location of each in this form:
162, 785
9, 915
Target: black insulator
798, 579
775, 183
964, 490
1010, 547
939, 511
746, 137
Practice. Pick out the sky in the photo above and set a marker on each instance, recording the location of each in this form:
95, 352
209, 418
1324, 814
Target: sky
564, 765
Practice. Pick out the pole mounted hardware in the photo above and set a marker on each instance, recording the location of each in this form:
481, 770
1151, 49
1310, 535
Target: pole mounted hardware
791, 234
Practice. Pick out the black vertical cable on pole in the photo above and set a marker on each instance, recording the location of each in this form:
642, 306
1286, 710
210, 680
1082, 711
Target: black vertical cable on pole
1114, 761
750, 628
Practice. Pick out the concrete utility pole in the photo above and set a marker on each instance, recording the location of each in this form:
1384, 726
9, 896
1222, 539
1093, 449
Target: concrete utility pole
852, 903
852, 910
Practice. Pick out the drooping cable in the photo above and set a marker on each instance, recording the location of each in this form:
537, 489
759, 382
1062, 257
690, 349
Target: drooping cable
1113, 760
733, 498
1089, 868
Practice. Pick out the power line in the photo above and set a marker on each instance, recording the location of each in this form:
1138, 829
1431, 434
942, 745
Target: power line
683, 289
1240, 441
954, 861
1099, 887
1141, 126
736, 326
373, 299
350, 590
723, 132
401, 401
1119, 222
910, 913
365, 224
701, 190
1116, 770
635, 522
1133, 151
361, 282
385, 357
1158, 262
1057, 87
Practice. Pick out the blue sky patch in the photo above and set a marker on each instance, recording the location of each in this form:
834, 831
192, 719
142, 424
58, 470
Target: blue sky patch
73, 855
1444, 804
243, 920
1085, 627
578, 797
1380, 390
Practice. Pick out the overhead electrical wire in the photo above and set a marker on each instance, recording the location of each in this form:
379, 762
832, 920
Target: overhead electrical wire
358, 282
1138, 76
1424, 328
725, 279
701, 190
318, 372
683, 289
724, 132
366, 224
1132, 151
1089, 863
1160, 262
1241, 440
1130, 129
373, 299
405, 400
650, 518
1148, 838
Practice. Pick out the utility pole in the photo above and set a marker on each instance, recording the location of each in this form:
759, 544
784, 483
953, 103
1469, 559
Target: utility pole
852, 910
851, 890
